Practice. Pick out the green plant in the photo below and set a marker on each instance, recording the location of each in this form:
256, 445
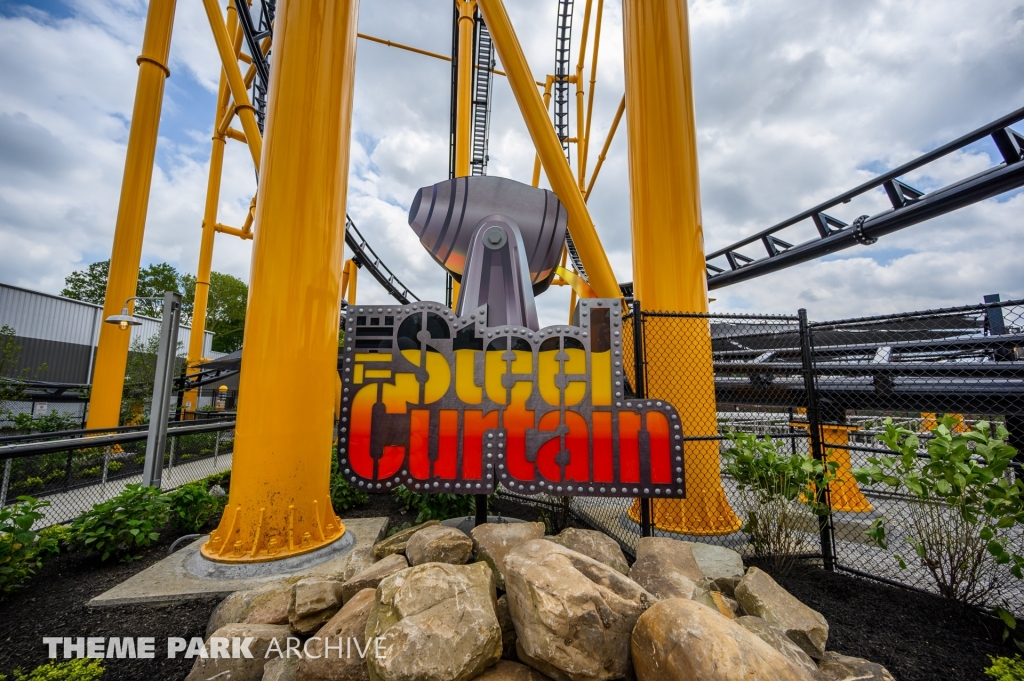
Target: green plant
81, 669
22, 550
344, 495
436, 506
61, 535
1006, 668
961, 503
779, 495
191, 506
132, 520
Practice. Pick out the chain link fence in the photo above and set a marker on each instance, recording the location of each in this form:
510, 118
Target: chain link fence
778, 375
84, 468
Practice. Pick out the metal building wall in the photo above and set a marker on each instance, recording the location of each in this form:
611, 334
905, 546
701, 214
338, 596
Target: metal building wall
62, 333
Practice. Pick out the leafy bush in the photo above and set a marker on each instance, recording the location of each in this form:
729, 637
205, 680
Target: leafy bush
344, 495
132, 520
436, 506
61, 535
778, 491
82, 669
22, 550
191, 506
962, 501
1006, 669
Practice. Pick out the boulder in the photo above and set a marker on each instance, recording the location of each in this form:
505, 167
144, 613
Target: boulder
396, 543
359, 558
324, 660
727, 585
238, 606
724, 605
434, 622
508, 628
777, 639
573, 615
510, 671
666, 568
597, 545
239, 668
679, 639
280, 669
836, 667
272, 606
761, 596
370, 577
439, 544
493, 541
716, 561
314, 601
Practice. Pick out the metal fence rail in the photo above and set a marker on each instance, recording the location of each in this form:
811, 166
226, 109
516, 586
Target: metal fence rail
75, 473
824, 389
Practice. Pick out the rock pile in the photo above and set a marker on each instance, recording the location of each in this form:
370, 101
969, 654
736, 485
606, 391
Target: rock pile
508, 604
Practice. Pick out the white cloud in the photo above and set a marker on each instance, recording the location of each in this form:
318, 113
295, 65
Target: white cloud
796, 101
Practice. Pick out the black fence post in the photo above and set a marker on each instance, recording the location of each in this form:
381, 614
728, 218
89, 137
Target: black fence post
814, 430
640, 390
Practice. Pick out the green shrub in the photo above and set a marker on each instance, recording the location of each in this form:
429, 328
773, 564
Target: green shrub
22, 550
61, 535
29, 484
345, 495
778, 491
191, 506
1006, 669
961, 500
436, 506
132, 520
82, 669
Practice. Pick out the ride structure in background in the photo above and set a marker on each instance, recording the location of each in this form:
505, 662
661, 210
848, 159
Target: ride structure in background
279, 505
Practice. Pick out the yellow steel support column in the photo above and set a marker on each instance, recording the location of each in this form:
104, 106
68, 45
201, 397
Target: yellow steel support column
202, 293
585, 152
580, 133
112, 353
464, 102
844, 493
547, 107
604, 150
581, 225
668, 249
279, 503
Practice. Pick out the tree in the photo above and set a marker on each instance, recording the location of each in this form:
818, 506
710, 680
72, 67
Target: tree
225, 312
88, 285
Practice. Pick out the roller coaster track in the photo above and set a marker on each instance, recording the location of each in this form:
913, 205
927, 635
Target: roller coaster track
362, 254
483, 60
561, 96
909, 206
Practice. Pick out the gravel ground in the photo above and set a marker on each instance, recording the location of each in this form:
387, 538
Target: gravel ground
915, 635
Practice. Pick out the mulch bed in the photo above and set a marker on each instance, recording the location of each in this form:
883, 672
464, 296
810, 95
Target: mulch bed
916, 636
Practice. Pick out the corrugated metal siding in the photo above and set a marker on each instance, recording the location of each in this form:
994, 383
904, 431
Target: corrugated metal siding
39, 315
67, 323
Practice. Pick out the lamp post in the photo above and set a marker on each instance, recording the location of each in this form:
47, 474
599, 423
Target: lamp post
162, 381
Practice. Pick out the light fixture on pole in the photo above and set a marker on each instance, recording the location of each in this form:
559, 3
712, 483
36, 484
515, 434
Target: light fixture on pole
152, 469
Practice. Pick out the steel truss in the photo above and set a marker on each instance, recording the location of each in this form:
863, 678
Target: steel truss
909, 207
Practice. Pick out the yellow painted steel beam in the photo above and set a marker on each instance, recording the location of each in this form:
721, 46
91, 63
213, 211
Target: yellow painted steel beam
585, 152
581, 225
279, 504
209, 226
580, 172
607, 143
417, 50
349, 281
236, 84
464, 93
549, 81
233, 231
668, 250
580, 288
112, 352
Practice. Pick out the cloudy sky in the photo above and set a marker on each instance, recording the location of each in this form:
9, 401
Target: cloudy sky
797, 100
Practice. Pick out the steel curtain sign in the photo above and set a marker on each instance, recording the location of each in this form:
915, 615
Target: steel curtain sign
445, 404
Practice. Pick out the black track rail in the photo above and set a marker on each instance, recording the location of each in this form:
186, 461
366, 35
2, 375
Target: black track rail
909, 207
365, 257
483, 60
